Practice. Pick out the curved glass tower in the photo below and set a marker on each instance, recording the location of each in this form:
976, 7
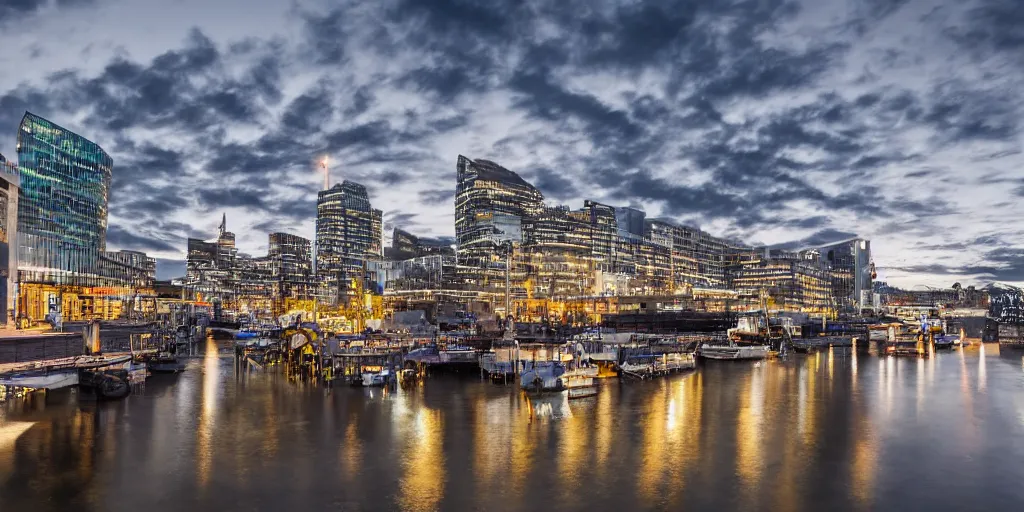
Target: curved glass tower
491, 205
62, 212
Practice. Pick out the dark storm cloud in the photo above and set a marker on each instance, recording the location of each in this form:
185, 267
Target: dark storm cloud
124, 239
965, 112
543, 98
817, 239
1004, 264
437, 196
13, 10
399, 219
211, 198
992, 27
553, 185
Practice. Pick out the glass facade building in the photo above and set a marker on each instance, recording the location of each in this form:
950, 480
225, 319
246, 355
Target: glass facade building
491, 205
62, 211
292, 261
345, 239
849, 263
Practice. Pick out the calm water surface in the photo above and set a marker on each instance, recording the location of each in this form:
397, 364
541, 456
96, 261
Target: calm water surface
821, 432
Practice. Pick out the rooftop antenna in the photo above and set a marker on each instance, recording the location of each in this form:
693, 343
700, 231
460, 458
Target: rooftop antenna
327, 173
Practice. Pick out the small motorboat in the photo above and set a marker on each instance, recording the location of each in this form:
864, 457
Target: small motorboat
163, 361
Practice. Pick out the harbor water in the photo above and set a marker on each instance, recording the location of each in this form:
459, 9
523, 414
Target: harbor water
827, 431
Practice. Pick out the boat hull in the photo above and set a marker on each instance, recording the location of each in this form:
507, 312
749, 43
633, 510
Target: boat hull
734, 353
55, 380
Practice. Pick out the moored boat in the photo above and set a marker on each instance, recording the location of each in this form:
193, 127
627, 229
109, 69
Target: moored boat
378, 378
553, 377
734, 352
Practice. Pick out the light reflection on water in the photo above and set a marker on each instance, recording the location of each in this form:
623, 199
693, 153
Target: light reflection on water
829, 430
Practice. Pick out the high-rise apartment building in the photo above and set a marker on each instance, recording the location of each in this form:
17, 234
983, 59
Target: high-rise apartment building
345, 239
62, 211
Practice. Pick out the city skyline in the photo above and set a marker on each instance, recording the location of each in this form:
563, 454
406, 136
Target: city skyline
798, 138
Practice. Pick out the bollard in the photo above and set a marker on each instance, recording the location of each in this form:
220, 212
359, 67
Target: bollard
87, 338
94, 338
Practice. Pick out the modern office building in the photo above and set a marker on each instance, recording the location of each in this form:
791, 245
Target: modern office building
790, 281
210, 266
9, 185
849, 263
405, 245
491, 204
245, 285
377, 233
133, 270
346, 239
62, 259
62, 211
291, 259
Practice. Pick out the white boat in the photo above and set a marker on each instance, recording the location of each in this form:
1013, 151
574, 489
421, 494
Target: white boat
679, 361
637, 367
733, 351
580, 382
552, 377
371, 379
42, 380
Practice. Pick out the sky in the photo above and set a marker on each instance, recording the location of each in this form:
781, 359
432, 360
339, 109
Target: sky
773, 122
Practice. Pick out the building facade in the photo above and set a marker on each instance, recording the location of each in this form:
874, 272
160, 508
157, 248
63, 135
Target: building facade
346, 239
491, 205
10, 183
849, 263
790, 282
291, 259
62, 211
377, 233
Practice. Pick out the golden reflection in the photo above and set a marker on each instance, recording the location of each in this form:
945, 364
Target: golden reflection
865, 461
85, 427
351, 452
749, 434
920, 385
655, 448
931, 363
888, 389
853, 367
422, 485
603, 418
687, 431
9, 434
207, 417
831, 363
981, 368
492, 443
806, 410
572, 454
522, 446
